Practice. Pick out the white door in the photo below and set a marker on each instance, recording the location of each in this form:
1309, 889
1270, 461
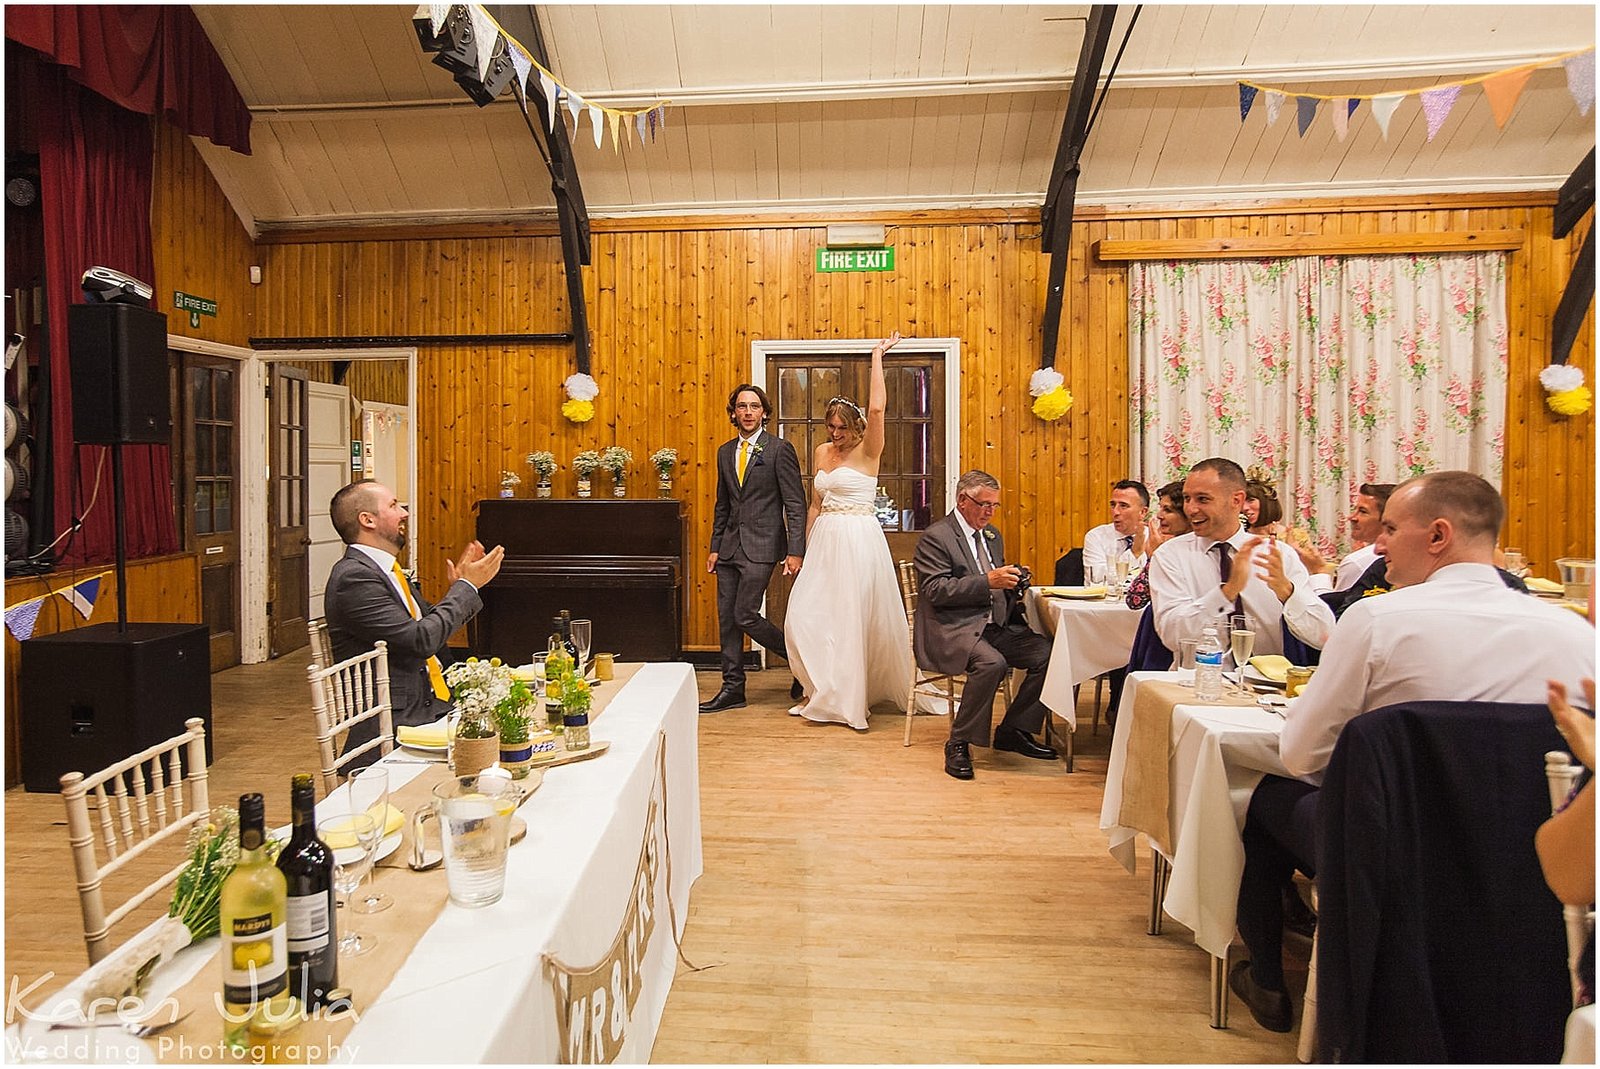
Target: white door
328, 453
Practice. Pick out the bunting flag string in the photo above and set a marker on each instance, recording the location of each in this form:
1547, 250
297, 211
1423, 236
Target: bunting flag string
486, 29
1502, 88
81, 594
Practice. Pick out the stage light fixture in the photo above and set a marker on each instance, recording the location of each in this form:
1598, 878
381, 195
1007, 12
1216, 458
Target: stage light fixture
494, 83
458, 53
423, 23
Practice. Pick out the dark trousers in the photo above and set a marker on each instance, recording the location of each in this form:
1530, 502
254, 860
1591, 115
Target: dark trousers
1280, 836
997, 652
741, 584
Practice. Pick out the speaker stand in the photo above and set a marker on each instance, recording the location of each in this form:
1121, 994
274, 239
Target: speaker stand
122, 537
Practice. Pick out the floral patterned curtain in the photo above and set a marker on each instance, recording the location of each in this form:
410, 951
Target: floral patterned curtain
1327, 371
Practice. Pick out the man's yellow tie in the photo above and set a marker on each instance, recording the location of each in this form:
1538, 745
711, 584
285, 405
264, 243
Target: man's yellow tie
744, 458
435, 671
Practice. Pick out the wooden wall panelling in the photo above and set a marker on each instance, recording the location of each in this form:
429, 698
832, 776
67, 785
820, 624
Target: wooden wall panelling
674, 310
159, 589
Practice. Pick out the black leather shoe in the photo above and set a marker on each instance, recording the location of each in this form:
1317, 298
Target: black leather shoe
796, 691
726, 698
958, 760
1021, 742
1270, 1008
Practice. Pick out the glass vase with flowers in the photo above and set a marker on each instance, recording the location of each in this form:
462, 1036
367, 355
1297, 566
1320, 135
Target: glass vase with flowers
584, 465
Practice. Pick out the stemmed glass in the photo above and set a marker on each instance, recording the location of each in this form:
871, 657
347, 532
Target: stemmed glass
582, 637
1244, 643
1123, 564
367, 792
1514, 563
353, 837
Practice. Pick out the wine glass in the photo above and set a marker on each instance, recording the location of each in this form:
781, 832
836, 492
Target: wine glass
1244, 642
582, 637
1124, 564
1514, 563
353, 838
367, 792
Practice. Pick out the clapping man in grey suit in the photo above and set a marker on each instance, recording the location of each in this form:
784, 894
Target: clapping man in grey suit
760, 519
369, 599
969, 619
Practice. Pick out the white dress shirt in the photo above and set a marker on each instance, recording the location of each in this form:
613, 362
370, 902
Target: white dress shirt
1462, 635
385, 561
1354, 566
1103, 545
1186, 595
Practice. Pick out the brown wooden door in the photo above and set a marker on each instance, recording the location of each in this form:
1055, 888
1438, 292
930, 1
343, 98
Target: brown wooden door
211, 517
911, 470
288, 571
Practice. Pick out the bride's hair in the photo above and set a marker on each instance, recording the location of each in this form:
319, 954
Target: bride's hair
855, 420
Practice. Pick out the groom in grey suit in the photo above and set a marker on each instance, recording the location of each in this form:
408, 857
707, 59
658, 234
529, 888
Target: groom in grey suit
368, 600
969, 619
760, 519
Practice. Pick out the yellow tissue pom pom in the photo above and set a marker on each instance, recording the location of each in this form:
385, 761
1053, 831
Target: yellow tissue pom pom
1053, 405
1573, 402
578, 411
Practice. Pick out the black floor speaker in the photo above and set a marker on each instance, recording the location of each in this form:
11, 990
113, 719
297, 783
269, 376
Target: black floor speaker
91, 697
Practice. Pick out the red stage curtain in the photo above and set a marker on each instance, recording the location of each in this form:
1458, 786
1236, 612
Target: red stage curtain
153, 59
95, 170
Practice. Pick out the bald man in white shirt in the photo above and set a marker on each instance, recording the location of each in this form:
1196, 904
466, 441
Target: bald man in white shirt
1218, 569
1454, 632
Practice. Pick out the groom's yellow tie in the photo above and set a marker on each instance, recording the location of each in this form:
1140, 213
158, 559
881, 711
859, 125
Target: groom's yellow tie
435, 672
744, 458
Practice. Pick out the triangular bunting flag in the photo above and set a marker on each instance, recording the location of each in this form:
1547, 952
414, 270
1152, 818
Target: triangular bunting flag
522, 63
1247, 97
616, 125
1383, 111
1341, 121
1580, 80
82, 596
1436, 105
548, 88
21, 619
597, 116
653, 121
1274, 102
1503, 91
574, 105
485, 34
640, 124
661, 115
437, 14
1305, 111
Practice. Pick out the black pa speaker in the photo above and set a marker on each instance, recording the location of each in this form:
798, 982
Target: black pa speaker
92, 696
119, 374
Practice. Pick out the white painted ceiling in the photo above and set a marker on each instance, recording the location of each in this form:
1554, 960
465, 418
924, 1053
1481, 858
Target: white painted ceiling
838, 108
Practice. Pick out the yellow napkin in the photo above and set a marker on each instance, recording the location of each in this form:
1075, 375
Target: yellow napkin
1272, 666
344, 840
1544, 586
1073, 591
426, 735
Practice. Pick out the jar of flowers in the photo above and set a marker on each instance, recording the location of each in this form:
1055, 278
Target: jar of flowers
616, 459
477, 688
584, 465
509, 481
664, 460
514, 719
543, 463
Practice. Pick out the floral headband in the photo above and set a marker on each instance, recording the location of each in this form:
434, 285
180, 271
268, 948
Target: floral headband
853, 406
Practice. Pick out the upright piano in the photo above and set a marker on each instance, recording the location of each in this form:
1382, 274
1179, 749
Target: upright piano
616, 562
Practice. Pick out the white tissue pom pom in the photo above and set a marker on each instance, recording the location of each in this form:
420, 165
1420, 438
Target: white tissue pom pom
1044, 380
582, 388
1559, 378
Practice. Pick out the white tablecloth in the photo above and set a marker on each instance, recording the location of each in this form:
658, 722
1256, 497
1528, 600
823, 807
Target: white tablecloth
1218, 755
473, 989
1091, 637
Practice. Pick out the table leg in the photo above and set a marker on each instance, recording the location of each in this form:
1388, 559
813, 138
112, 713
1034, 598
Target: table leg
1219, 992
1160, 873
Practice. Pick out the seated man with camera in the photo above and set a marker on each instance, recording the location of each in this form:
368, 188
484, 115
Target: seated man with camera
969, 619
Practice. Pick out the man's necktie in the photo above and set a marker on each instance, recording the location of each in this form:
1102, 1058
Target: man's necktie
744, 458
435, 671
1225, 556
997, 598
1127, 543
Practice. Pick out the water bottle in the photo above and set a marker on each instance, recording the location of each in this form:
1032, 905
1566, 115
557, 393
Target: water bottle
1208, 666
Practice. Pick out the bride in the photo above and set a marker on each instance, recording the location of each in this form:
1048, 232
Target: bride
845, 625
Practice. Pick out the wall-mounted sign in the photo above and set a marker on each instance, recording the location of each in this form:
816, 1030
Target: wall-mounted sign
880, 259
355, 455
195, 306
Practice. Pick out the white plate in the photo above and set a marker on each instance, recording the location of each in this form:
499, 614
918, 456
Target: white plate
345, 856
1253, 676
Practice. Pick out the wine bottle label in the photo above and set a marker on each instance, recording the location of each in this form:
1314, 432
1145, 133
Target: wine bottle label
307, 922
255, 962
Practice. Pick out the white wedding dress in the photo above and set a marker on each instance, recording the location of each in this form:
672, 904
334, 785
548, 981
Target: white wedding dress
845, 625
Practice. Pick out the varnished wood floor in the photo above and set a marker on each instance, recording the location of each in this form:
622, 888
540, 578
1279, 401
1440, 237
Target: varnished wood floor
863, 906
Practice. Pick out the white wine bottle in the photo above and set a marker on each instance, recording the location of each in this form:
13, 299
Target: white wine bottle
255, 938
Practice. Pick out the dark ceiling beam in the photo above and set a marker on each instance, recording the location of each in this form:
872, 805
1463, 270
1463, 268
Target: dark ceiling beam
572, 215
1056, 218
1575, 200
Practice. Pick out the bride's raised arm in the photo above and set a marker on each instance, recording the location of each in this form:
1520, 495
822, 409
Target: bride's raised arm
877, 398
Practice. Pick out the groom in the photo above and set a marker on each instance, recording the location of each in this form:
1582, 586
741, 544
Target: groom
969, 619
760, 519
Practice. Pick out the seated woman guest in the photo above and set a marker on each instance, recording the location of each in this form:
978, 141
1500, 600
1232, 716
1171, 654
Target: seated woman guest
1263, 512
1168, 522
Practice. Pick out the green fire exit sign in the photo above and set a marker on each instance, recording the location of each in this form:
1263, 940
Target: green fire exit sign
878, 259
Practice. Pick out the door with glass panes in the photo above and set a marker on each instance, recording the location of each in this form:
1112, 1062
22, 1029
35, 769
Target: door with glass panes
209, 472
911, 471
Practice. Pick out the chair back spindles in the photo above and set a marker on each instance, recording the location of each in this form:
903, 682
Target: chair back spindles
344, 695
944, 686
